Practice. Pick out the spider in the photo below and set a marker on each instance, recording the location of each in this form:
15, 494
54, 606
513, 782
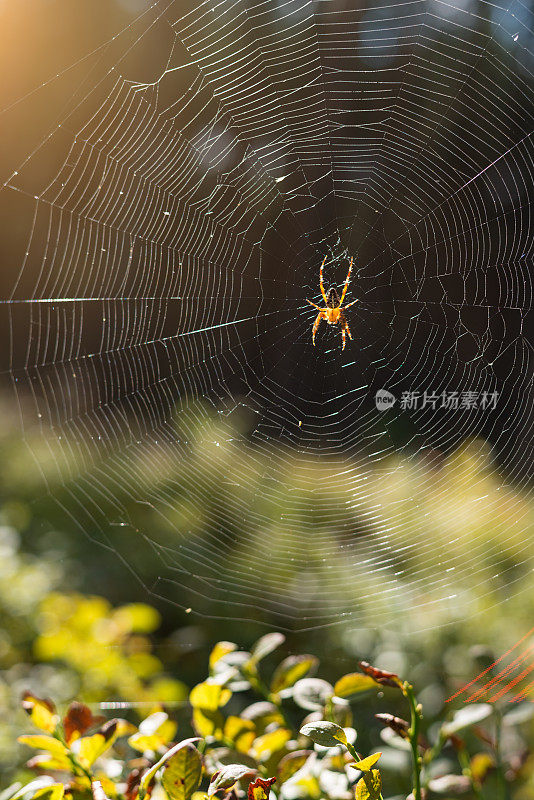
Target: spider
333, 313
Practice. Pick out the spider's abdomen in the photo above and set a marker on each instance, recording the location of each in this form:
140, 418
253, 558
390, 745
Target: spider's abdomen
333, 315
332, 299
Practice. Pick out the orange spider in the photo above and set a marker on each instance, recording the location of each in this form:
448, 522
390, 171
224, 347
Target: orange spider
333, 313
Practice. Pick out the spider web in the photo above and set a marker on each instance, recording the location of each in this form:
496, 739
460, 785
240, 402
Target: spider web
170, 225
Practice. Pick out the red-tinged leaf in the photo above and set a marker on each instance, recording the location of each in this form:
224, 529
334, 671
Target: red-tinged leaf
78, 719
381, 676
260, 788
226, 777
400, 726
132, 784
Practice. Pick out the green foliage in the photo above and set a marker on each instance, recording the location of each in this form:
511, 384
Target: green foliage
243, 737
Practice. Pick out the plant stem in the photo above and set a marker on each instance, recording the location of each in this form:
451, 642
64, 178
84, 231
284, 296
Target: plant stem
256, 682
354, 753
78, 767
463, 758
413, 733
352, 750
498, 755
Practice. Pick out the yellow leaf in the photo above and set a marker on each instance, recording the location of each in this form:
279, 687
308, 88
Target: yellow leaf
137, 618
352, 683
369, 787
124, 728
144, 744
53, 792
270, 743
42, 712
292, 669
480, 765
43, 761
108, 786
167, 690
221, 649
47, 743
241, 732
209, 696
156, 731
309, 787
89, 748
207, 723
366, 764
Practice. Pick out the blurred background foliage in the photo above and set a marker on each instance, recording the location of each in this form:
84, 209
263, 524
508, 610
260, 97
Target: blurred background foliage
77, 623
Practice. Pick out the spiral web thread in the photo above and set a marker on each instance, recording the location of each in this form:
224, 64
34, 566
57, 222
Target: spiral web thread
158, 316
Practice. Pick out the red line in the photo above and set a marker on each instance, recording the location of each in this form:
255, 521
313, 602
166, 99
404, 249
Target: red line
484, 672
512, 683
502, 674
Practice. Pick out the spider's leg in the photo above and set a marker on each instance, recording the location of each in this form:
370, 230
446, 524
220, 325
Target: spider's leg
321, 280
351, 303
346, 286
313, 304
318, 319
343, 338
348, 330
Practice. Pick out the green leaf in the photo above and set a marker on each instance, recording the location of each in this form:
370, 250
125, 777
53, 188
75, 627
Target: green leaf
291, 763
182, 773
352, 683
150, 773
312, 693
228, 776
265, 645
325, 733
290, 670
